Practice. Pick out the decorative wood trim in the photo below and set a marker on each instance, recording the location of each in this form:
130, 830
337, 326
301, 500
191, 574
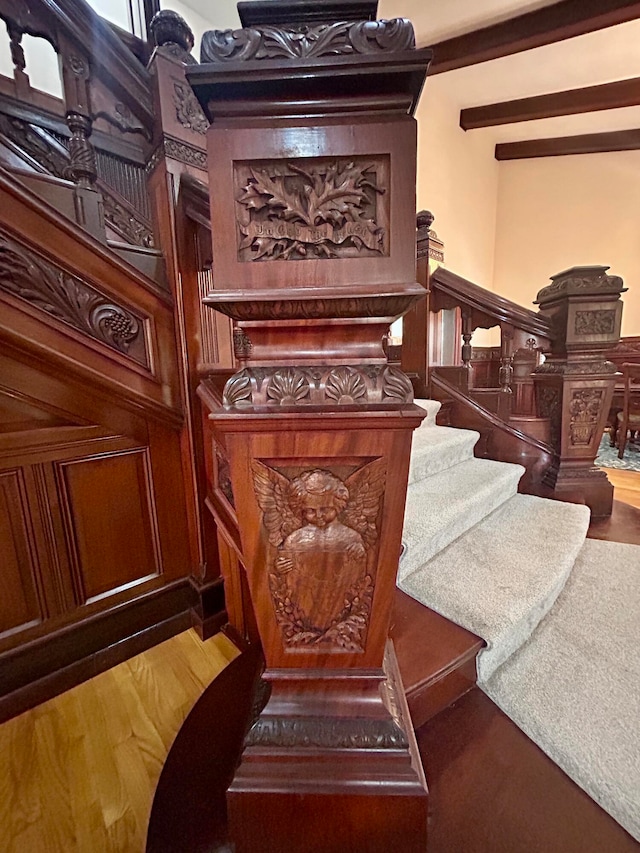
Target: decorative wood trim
607, 96
550, 24
58, 661
559, 146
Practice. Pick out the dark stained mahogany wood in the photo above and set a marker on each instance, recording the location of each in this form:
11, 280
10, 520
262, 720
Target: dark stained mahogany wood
189, 809
606, 96
547, 25
560, 146
437, 658
492, 790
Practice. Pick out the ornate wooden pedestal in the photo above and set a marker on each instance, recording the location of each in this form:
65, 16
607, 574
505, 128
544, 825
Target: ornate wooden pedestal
312, 176
575, 385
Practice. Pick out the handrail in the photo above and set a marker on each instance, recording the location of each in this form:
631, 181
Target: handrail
487, 302
493, 419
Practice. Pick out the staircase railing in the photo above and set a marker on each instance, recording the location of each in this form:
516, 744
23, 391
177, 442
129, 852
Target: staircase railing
561, 402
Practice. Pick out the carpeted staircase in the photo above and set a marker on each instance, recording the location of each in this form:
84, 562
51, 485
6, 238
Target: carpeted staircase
560, 614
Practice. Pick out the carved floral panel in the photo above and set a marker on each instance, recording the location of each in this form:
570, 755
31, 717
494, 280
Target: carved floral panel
312, 208
322, 528
595, 322
584, 410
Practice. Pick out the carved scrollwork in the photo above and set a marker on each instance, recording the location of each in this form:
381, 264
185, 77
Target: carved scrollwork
584, 410
326, 733
306, 42
188, 110
185, 153
69, 299
288, 387
126, 223
323, 537
324, 385
310, 209
595, 322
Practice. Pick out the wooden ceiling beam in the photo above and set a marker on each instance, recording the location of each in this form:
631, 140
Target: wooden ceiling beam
550, 24
558, 146
607, 96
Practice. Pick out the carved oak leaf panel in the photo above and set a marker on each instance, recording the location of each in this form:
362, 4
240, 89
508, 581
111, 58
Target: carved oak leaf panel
311, 208
323, 536
69, 299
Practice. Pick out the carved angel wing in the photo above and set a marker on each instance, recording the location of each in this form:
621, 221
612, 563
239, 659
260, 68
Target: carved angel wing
271, 490
366, 487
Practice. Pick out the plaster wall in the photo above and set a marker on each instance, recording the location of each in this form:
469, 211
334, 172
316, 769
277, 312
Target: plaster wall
558, 212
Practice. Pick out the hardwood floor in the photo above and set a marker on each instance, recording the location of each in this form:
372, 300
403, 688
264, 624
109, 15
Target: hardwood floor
79, 771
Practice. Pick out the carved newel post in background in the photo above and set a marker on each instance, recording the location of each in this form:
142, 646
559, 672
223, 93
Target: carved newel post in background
312, 152
575, 385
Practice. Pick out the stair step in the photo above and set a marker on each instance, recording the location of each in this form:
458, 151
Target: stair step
446, 505
437, 658
435, 448
432, 408
501, 578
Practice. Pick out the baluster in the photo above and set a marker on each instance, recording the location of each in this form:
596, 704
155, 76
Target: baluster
20, 76
505, 373
83, 156
467, 333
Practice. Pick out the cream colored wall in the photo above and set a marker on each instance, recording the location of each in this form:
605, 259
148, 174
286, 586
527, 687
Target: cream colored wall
221, 15
458, 182
558, 212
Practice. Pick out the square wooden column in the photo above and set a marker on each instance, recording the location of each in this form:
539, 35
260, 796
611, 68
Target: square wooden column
312, 151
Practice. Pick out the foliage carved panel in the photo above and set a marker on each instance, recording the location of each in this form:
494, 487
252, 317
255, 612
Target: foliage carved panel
595, 322
67, 298
585, 412
323, 534
312, 208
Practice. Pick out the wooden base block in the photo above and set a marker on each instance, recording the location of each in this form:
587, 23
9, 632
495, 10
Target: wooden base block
366, 805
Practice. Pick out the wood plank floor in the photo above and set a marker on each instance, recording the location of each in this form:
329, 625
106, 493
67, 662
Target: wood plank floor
79, 772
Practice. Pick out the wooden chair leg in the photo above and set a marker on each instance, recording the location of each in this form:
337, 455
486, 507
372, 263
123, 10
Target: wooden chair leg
622, 437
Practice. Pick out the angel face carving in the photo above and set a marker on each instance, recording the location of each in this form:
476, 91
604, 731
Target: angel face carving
324, 531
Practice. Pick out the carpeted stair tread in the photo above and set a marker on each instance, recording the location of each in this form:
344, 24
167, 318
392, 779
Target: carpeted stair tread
432, 407
574, 687
446, 505
437, 448
500, 578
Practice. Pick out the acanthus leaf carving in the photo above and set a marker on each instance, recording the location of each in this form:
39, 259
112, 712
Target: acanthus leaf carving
288, 387
339, 38
345, 386
323, 535
67, 298
188, 110
396, 386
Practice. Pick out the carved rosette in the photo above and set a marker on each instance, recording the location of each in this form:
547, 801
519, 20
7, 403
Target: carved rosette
341, 38
69, 299
318, 386
323, 537
312, 208
584, 410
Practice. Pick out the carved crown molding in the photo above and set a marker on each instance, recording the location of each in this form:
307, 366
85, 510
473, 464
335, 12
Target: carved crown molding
177, 150
317, 386
341, 38
69, 299
575, 368
580, 281
327, 733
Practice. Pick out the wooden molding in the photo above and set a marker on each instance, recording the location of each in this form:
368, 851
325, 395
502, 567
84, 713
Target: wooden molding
558, 146
550, 24
608, 96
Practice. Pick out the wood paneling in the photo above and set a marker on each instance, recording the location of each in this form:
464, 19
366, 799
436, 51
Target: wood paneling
111, 522
21, 603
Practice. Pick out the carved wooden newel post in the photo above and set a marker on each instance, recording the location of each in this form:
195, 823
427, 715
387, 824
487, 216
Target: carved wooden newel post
312, 154
575, 385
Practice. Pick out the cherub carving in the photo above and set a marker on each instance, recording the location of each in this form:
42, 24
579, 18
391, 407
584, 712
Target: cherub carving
324, 530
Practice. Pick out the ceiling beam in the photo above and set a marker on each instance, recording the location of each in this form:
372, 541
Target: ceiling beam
550, 24
607, 96
588, 143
